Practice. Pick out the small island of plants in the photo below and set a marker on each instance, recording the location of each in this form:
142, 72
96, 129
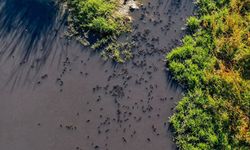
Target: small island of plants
99, 23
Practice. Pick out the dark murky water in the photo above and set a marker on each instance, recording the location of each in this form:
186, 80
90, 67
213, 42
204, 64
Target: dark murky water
57, 95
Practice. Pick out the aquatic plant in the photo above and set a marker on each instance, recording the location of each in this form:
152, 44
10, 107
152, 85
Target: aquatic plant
100, 18
213, 64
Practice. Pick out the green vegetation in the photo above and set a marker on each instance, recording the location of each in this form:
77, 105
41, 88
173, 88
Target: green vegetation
102, 19
214, 65
193, 23
97, 15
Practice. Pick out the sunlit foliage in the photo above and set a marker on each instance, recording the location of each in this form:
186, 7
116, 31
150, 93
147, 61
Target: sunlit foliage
214, 65
98, 16
99, 23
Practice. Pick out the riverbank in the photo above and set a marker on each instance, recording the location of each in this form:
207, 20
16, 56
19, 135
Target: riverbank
213, 64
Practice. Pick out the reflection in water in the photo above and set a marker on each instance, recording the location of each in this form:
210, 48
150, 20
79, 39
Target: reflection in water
28, 27
28, 31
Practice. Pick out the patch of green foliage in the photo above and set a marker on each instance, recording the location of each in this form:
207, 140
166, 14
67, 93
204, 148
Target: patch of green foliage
193, 23
97, 15
120, 52
214, 65
100, 18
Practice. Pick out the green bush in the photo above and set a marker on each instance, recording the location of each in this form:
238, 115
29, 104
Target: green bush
193, 23
102, 25
100, 20
213, 63
97, 15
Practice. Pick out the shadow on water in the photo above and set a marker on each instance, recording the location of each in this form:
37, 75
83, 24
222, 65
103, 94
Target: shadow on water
27, 25
173, 83
28, 31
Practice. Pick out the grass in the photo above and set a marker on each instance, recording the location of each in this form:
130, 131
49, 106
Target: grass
100, 18
214, 65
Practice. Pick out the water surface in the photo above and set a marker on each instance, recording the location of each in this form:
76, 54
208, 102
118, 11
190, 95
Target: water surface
58, 95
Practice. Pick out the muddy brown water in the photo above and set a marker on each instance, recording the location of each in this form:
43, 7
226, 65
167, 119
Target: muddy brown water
57, 95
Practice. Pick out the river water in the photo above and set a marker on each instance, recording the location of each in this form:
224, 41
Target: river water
58, 95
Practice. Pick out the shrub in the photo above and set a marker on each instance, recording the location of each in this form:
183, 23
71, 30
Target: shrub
99, 23
213, 63
97, 15
193, 23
